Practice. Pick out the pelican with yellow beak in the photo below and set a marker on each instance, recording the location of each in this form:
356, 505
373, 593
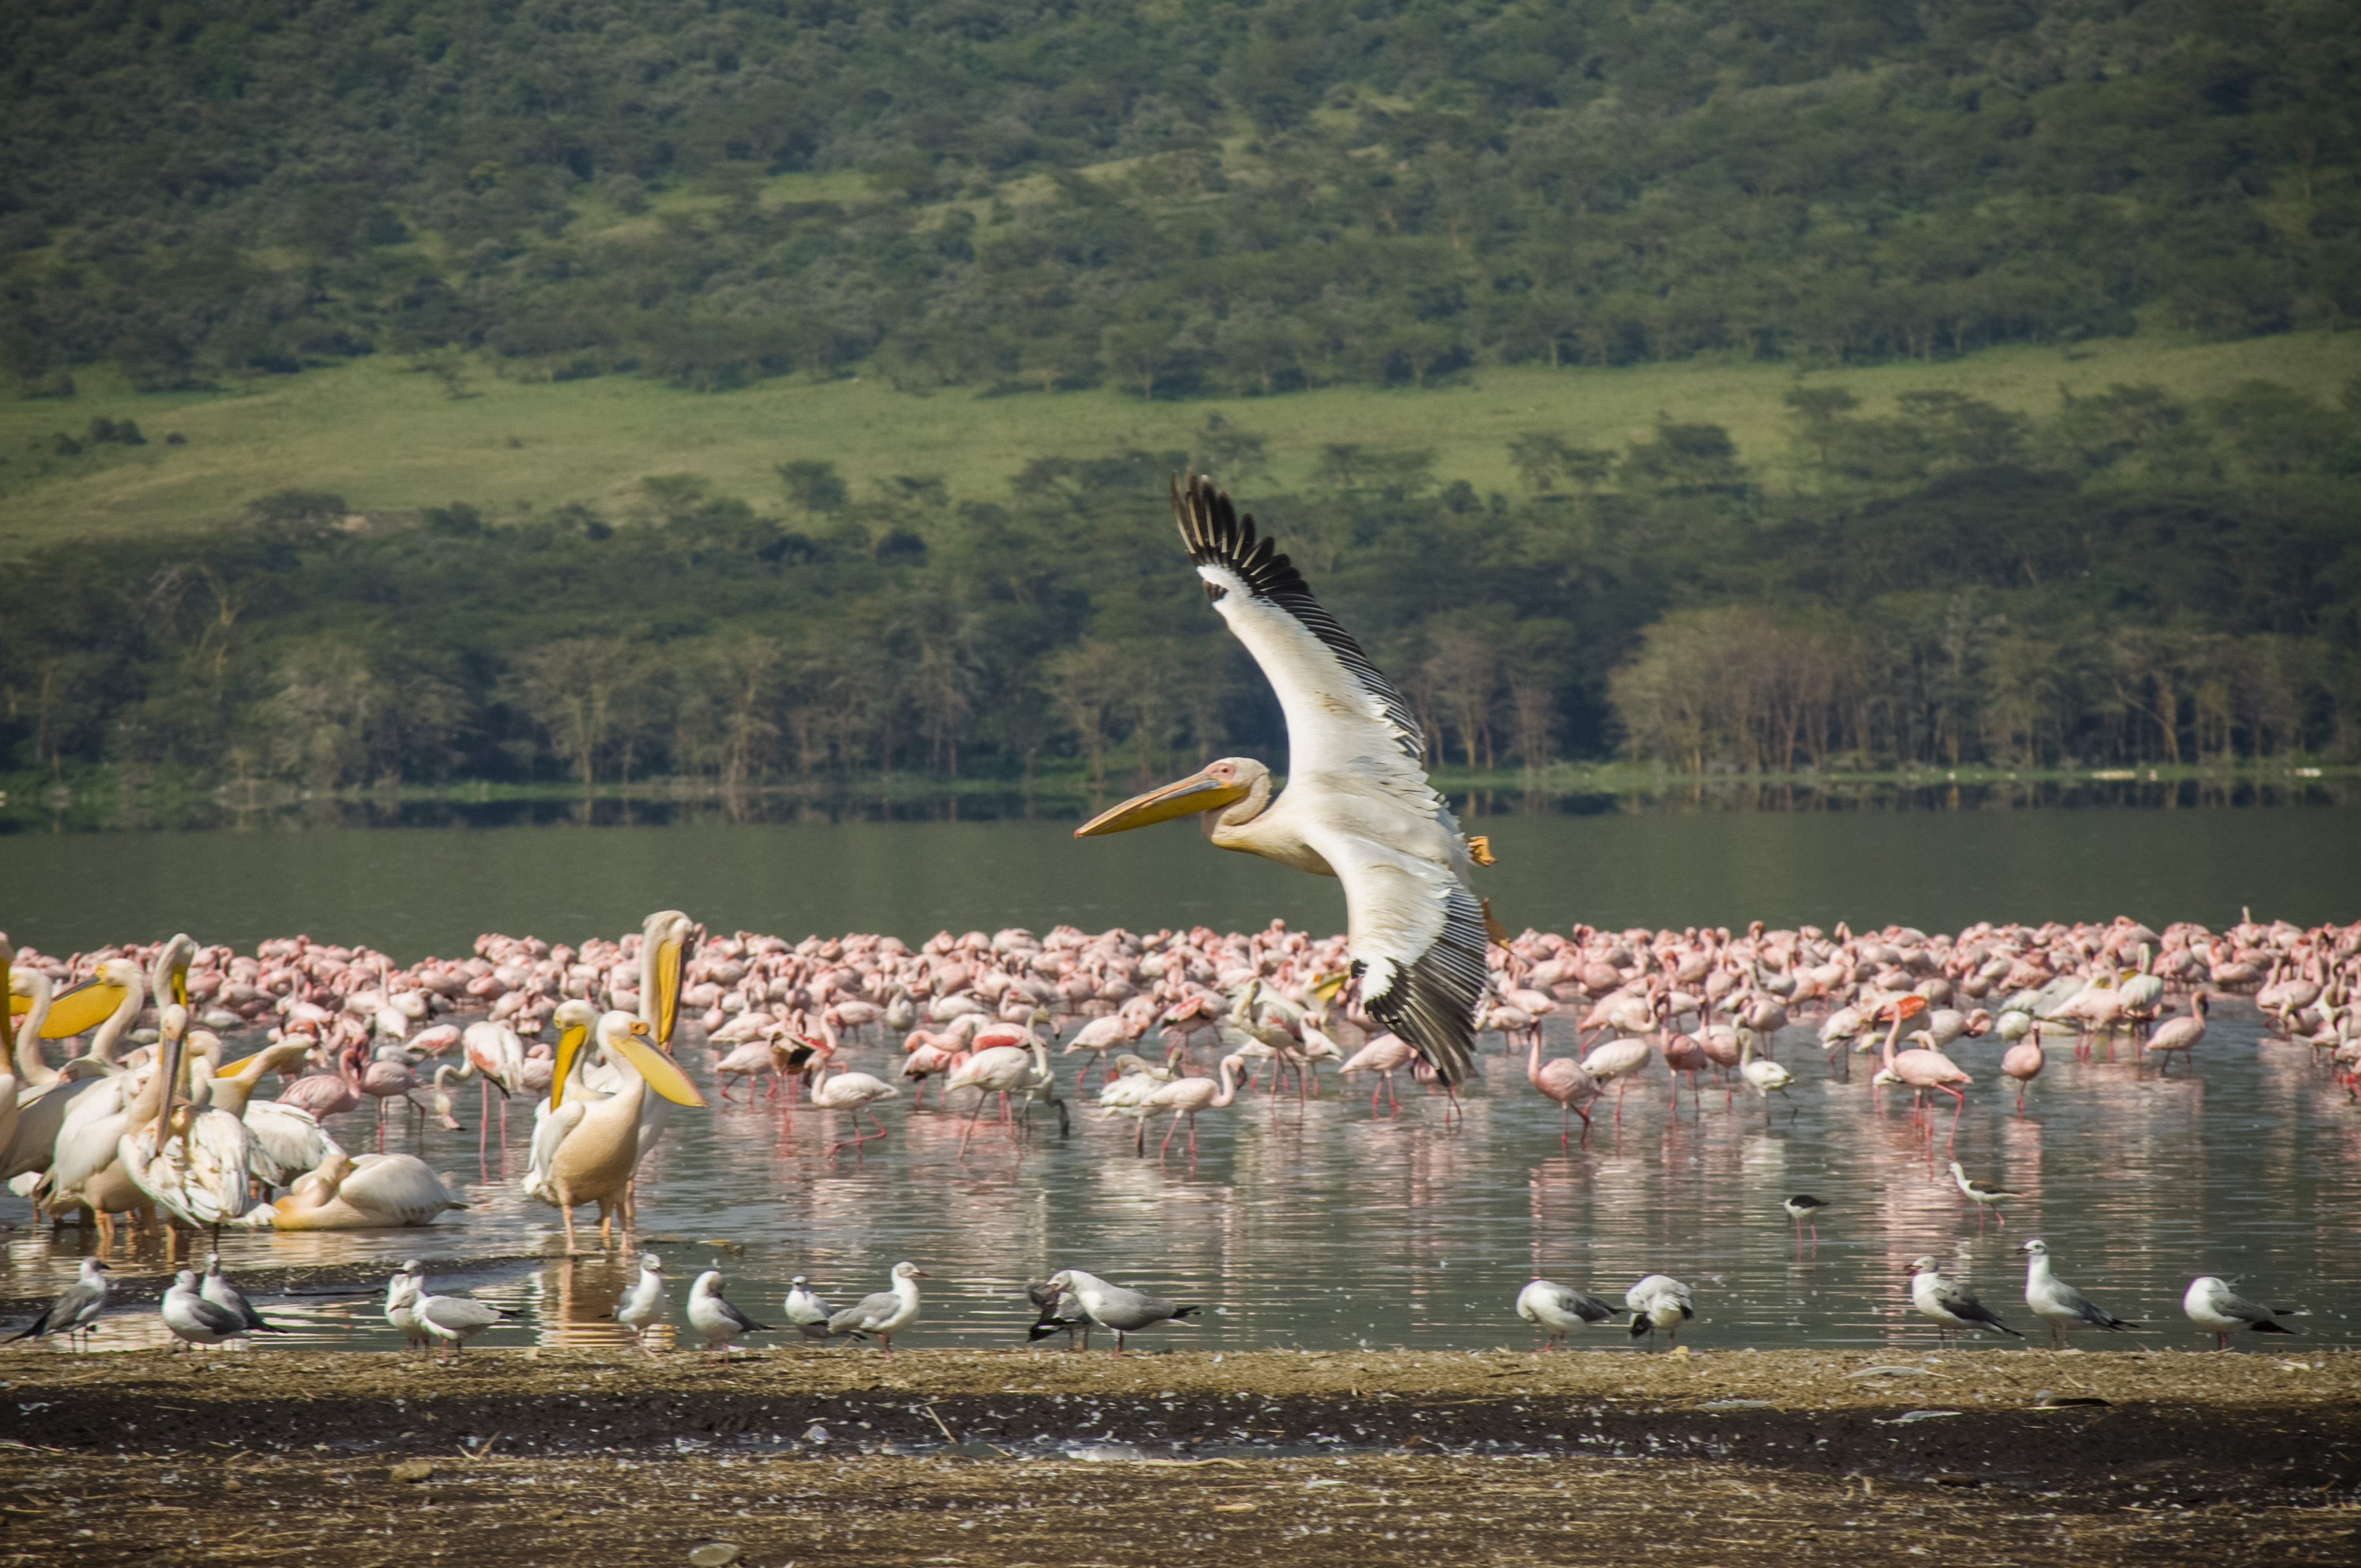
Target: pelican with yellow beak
1357, 805
593, 1145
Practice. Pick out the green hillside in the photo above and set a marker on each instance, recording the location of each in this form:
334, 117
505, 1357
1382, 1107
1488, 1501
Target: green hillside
391, 440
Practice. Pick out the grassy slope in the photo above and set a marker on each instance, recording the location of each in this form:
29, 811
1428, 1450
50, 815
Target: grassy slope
386, 438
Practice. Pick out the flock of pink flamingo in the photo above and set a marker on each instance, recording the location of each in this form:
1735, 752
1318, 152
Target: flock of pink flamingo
978, 1013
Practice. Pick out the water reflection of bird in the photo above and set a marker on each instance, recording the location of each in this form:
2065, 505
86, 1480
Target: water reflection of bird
2212, 1305
1950, 1303
1357, 805
1559, 1309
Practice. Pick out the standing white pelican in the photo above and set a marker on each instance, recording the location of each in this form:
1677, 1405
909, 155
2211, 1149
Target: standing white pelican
1357, 805
598, 1143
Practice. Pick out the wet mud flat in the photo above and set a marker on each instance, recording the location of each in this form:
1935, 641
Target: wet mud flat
988, 1458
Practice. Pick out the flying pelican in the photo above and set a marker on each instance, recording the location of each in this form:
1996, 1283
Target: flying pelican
1558, 1310
598, 1143
1357, 805
1125, 1312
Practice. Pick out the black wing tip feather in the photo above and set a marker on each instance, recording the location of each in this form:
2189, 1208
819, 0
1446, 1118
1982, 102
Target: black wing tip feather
1216, 534
1432, 1004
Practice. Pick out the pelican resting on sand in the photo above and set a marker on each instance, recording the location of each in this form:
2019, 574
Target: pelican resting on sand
1357, 805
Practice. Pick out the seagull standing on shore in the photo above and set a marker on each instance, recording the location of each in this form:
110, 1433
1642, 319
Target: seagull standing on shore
1559, 1309
402, 1305
1951, 1304
75, 1310
641, 1305
806, 1311
192, 1319
2058, 1304
1125, 1311
720, 1323
230, 1298
2212, 1305
886, 1313
1659, 1302
454, 1320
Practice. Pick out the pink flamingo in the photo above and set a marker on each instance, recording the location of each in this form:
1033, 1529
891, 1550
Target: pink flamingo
385, 1080
1187, 1096
1564, 1080
1683, 1054
326, 1094
753, 1057
2175, 1035
2024, 1063
856, 1093
1615, 1061
1924, 1070
1385, 1055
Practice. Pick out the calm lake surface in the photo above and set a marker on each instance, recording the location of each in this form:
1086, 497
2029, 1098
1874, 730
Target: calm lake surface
1331, 1226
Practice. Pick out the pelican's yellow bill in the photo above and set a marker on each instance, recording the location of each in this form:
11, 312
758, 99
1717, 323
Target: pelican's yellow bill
668, 999
561, 1064
664, 1074
83, 1009
1183, 798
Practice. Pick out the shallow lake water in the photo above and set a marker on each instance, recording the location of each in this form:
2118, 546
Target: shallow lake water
1329, 1226
1332, 1227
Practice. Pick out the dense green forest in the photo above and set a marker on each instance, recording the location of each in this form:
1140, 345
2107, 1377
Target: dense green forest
1243, 196
2134, 578
1253, 198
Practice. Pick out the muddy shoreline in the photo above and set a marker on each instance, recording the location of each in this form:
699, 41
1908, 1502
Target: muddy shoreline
518, 1455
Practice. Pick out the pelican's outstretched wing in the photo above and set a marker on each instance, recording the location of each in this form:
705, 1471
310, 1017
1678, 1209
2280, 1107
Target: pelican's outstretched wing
1343, 714
1417, 939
